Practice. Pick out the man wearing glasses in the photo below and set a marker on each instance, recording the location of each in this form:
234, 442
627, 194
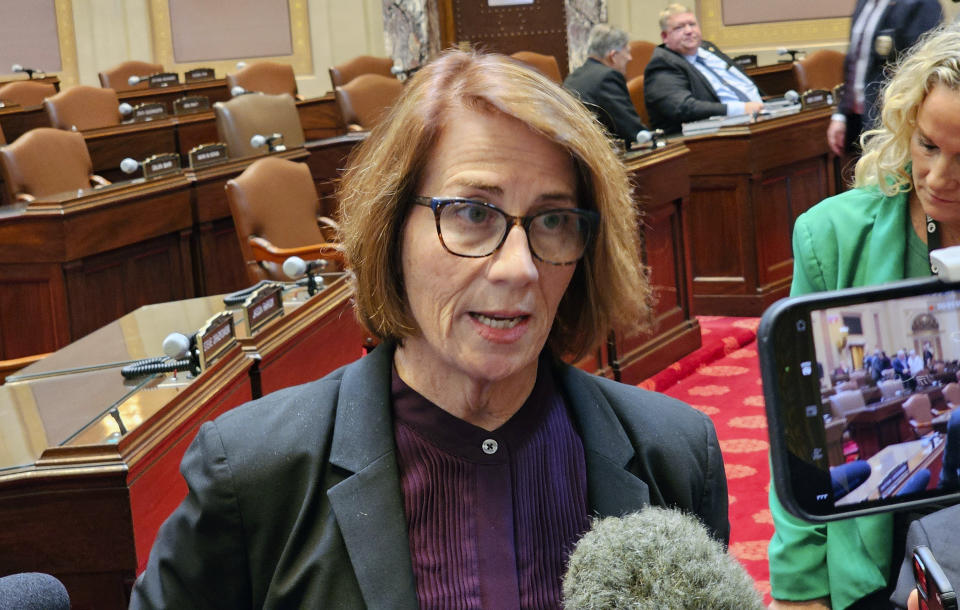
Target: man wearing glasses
601, 84
689, 79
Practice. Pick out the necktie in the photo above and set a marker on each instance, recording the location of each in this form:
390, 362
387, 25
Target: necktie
740, 94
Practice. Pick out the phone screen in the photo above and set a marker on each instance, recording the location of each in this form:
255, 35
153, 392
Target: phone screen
861, 388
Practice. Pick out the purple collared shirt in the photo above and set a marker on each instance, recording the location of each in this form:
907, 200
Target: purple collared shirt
491, 516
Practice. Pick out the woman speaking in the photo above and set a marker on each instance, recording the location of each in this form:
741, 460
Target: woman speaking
490, 231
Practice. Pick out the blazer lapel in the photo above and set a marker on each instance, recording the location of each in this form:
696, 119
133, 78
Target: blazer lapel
612, 489
368, 504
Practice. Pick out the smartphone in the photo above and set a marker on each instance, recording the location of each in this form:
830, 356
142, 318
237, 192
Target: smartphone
933, 589
855, 429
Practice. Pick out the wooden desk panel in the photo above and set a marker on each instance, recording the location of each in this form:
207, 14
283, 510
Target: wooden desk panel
774, 79
87, 258
321, 118
18, 120
747, 186
109, 146
215, 90
661, 186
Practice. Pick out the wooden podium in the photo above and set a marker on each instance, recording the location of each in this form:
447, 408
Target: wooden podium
748, 184
82, 497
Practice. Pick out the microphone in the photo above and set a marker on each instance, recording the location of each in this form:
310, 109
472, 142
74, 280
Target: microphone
128, 165
33, 591
653, 136
176, 345
657, 558
238, 91
241, 65
136, 80
274, 142
792, 96
28, 71
125, 109
791, 52
295, 267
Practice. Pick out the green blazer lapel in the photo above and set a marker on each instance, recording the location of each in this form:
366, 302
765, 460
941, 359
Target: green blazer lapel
368, 504
612, 489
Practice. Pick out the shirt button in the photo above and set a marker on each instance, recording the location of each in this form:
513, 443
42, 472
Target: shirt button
489, 446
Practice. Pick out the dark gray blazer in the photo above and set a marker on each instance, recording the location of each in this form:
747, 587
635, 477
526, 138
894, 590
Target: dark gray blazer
675, 92
604, 91
295, 499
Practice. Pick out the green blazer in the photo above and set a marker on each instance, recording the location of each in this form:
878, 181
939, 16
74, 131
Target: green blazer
857, 238
294, 500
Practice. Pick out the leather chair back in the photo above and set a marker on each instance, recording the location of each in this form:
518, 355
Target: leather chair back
859, 377
117, 77
267, 77
544, 64
918, 409
951, 393
83, 108
890, 387
821, 69
26, 92
635, 88
45, 161
640, 53
364, 64
364, 100
275, 199
240, 118
846, 402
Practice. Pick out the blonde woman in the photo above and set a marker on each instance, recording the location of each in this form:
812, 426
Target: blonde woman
906, 201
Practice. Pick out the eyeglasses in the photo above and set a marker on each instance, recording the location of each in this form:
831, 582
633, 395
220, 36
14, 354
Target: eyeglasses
475, 229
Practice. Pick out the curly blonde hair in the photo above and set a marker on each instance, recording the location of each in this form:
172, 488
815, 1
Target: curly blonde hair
609, 289
934, 60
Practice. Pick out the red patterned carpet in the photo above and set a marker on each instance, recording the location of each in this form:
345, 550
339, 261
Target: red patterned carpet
722, 379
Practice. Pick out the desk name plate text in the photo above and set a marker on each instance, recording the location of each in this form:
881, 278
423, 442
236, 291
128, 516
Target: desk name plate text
199, 74
206, 155
214, 338
191, 104
263, 305
164, 79
149, 111
159, 165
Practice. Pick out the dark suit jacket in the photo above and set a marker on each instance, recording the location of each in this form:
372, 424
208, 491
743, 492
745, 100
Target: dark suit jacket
903, 21
604, 91
675, 92
295, 499
938, 531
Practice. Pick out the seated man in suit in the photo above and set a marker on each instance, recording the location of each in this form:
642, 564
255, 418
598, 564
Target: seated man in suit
689, 79
601, 85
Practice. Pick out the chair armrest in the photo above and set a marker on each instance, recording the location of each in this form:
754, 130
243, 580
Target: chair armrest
355, 128
263, 250
25, 197
99, 180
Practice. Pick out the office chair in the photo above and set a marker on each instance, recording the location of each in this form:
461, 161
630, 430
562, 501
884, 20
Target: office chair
274, 204
919, 413
117, 77
846, 402
544, 64
26, 92
640, 53
46, 161
365, 100
822, 69
951, 394
240, 118
364, 64
267, 77
635, 88
890, 387
81, 107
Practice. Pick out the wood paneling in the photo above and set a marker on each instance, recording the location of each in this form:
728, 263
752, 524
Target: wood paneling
748, 185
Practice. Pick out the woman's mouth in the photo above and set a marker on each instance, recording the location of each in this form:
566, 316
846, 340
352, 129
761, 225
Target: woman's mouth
499, 322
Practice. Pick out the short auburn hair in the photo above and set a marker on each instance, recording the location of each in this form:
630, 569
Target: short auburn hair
609, 289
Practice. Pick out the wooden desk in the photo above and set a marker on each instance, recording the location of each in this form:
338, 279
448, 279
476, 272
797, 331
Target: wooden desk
747, 186
900, 461
320, 117
108, 146
71, 263
50, 79
18, 120
774, 79
661, 187
87, 499
215, 90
